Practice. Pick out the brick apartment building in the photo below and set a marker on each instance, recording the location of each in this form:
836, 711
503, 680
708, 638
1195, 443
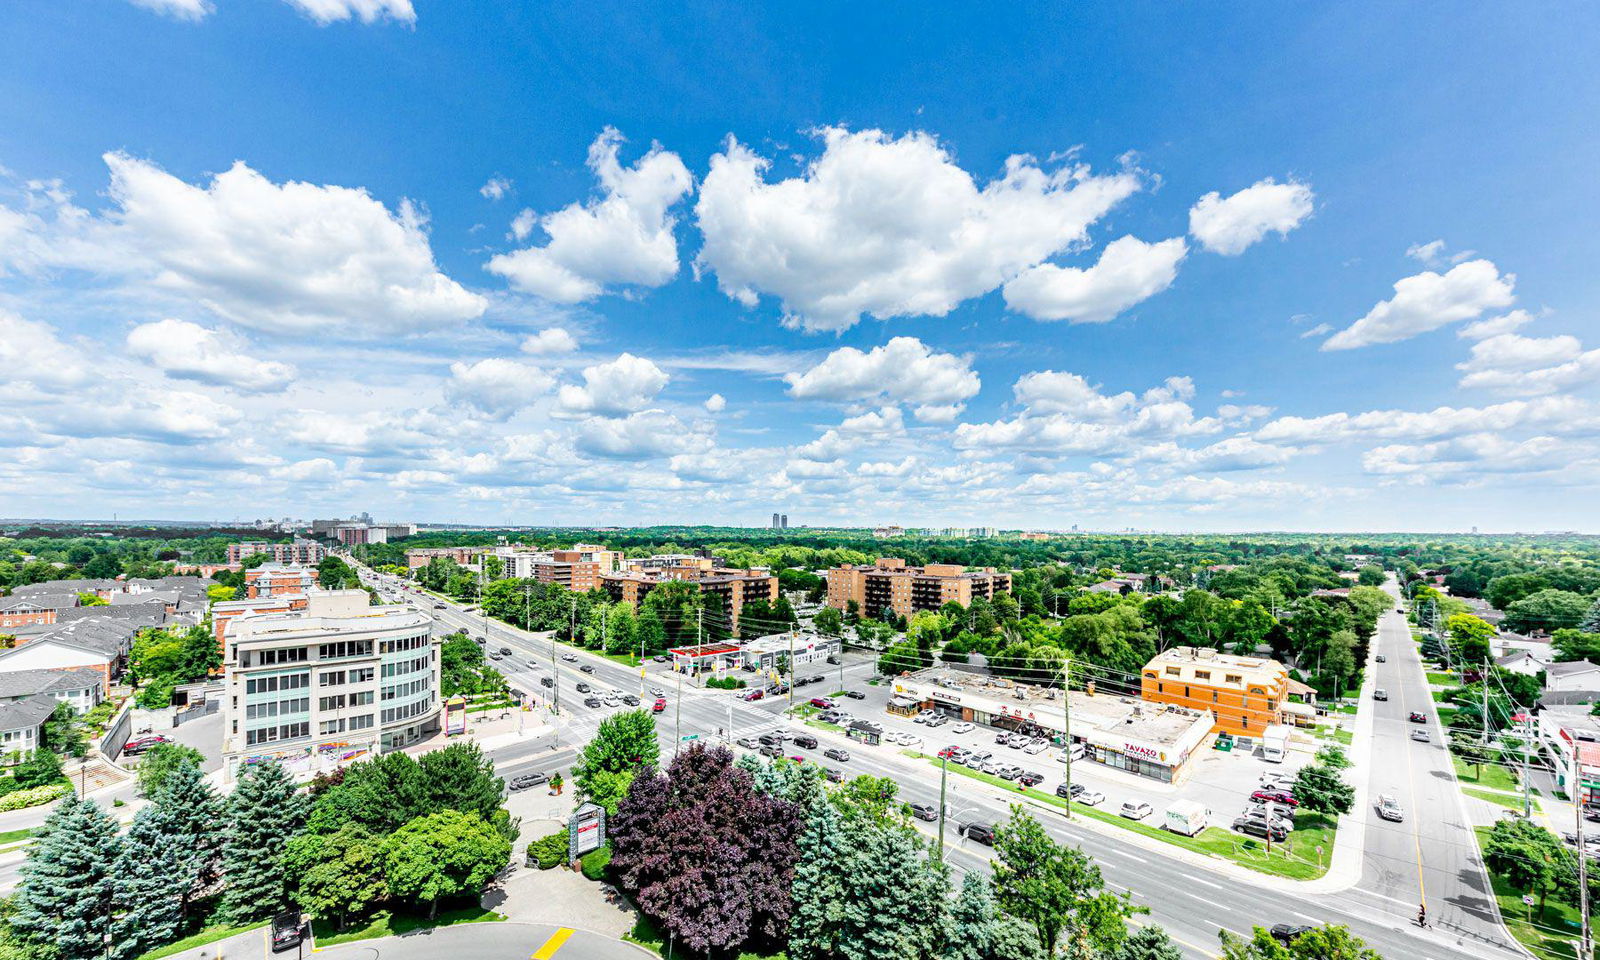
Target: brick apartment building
297, 551
734, 587
278, 580
890, 584
1244, 695
419, 557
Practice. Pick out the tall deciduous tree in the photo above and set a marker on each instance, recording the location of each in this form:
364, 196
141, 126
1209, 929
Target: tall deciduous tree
1321, 789
264, 813
67, 898
443, 855
1055, 887
337, 876
705, 853
624, 743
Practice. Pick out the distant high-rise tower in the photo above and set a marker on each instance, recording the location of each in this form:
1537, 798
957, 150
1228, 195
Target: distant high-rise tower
783, 522
776, 519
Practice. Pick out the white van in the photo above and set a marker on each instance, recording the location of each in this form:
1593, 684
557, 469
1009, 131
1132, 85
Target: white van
1186, 817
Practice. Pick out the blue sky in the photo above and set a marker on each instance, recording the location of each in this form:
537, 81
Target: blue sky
1115, 265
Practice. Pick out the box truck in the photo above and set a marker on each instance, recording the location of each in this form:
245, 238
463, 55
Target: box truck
1187, 817
1275, 743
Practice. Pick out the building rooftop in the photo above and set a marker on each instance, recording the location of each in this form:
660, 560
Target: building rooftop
26, 683
21, 714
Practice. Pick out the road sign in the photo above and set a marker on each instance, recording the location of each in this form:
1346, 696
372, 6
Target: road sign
690, 736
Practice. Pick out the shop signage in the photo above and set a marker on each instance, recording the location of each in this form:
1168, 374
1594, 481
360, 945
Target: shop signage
1148, 753
586, 830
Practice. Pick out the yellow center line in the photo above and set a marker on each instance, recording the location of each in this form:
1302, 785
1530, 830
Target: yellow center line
553, 944
1411, 771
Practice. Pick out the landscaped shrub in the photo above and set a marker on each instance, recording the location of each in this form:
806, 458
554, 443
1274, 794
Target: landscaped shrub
34, 796
725, 683
549, 852
594, 863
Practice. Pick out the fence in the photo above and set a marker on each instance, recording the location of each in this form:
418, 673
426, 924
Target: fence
202, 709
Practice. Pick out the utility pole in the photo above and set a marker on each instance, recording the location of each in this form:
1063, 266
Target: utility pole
944, 776
1484, 728
791, 671
1585, 944
677, 718
1066, 726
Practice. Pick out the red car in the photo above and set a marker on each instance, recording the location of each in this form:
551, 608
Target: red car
948, 751
659, 705
1418, 717
139, 745
822, 703
756, 694
1275, 796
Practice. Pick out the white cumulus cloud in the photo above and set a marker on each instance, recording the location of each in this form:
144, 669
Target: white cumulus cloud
619, 386
191, 10
325, 12
553, 340
1230, 226
496, 386
1529, 366
902, 370
1128, 272
189, 351
622, 238
887, 226
495, 188
1428, 301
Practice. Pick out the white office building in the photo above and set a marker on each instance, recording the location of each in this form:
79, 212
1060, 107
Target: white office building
319, 687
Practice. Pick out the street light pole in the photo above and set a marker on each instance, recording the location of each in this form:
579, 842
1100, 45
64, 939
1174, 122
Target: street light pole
944, 777
1066, 726
1585, 944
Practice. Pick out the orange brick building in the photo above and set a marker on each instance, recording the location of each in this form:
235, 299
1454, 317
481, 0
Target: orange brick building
1244, 695
891, 584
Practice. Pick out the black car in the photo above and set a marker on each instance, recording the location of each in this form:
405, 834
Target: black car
770, 739
778, 689
288, 929
924, 811
1287, 933
1030, 778
855, 695
480, 641
1067, 794
833, 775
587, 668
981, 832
591, 701
1382, 658
527, 781
505, 651
546, 682
583, 687
630, 699
805, 740
834, 753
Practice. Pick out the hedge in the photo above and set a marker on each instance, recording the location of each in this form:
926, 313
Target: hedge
33, 797
725, 683
549, 851
594, 863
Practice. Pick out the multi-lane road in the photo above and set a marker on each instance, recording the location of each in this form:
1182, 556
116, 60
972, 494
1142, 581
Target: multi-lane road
1192, 902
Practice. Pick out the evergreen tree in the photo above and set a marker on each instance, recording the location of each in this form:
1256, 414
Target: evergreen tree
979, 932
264, 814
153, 853
195, 815
1147, 943
67, 897
1591, 620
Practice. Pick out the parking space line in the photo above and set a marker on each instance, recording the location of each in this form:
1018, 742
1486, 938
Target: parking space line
553, 944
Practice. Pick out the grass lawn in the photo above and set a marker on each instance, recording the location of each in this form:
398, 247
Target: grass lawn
1446, 715
221, 931
12, 836
1494, 777
1506, 800
388, 924
1439, 696
1442, 679
804, 711
1299, 859
646, 934
822, 725
1344, 736
1549, 935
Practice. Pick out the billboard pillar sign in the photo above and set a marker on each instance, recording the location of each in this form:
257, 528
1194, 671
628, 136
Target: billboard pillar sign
586, 830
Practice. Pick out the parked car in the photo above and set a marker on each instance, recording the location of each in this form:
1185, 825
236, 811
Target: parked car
815, 678
1036, 746
805, 740
855, 695
962, 727
1380, 694
1419, 735
751, 695
288, 929
139, 745
833, 775
1418, 717
922, 716
1268, 808
1389, 809
981, 832
1136, 809
749, 743
1263, 827
1275, 796
938, 720
822, 703
924, 811
1030, 778
835, 753
1009, 772
1091, 798
527, 781
1070, 793
768, 739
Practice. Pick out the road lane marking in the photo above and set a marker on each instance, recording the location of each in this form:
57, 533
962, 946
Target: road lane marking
553, 944
1311, 920
1208, 883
